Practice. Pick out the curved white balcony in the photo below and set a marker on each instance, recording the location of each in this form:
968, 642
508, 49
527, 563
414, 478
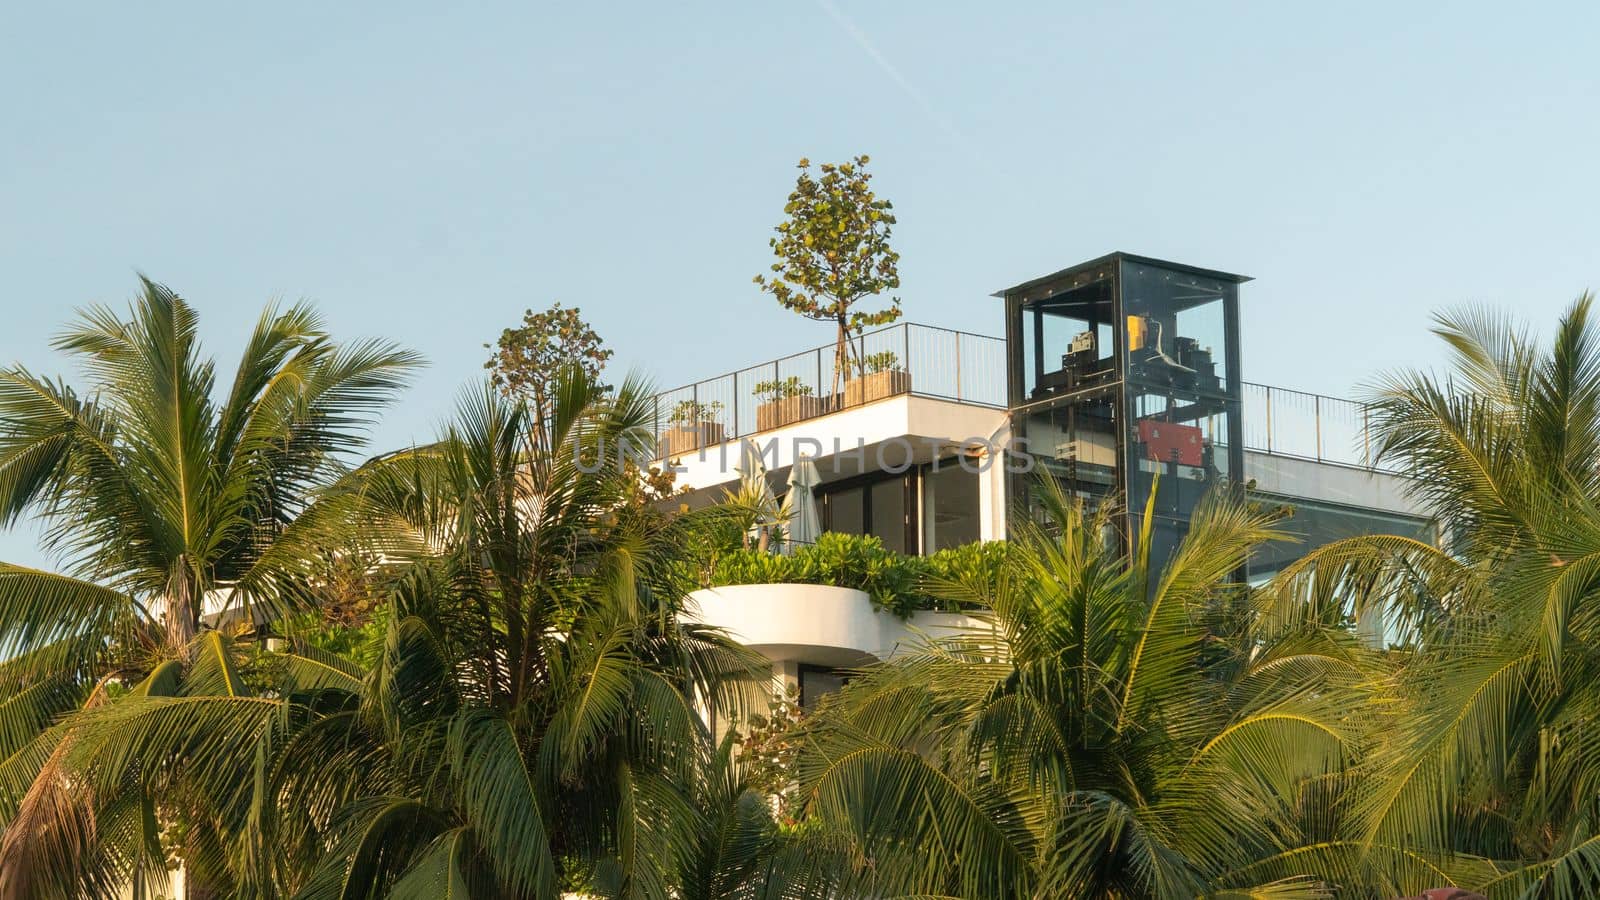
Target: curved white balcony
816, 624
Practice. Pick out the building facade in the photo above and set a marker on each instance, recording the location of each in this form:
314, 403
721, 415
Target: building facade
1116, 378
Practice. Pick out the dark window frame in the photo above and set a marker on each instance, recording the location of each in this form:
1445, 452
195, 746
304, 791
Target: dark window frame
923, 470
911, 514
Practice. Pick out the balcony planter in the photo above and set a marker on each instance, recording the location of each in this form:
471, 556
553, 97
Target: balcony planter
881, 376
692, 425
876, 386
778, 413
819, 624
786, 402
681, 439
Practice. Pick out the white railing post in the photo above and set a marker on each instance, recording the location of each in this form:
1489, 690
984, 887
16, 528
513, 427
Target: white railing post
1269, 417
958, 365
1316, 418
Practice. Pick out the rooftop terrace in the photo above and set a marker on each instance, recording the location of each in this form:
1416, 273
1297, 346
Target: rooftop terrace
962, 367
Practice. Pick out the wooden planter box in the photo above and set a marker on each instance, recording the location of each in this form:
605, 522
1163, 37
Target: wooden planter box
778, 413
876, 386
681, 439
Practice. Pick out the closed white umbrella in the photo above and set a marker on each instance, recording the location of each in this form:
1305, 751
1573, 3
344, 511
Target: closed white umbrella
804, 522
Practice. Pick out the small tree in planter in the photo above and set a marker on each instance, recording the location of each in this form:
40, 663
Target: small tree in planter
785, 401
833, 252
692, 425
883, 376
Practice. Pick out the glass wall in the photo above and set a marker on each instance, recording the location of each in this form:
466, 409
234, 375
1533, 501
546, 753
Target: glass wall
925, 509
1312, 524
845, 510
817, 682
889, 516
1076, 443
875, 505
949, 506
1183, 412
1069, 341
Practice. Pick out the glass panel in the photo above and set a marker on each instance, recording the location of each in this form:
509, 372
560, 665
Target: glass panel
847, 512
1076, 443
1179, 412
889, 513
1313, 524
1067, 341
949, 507
1175, 329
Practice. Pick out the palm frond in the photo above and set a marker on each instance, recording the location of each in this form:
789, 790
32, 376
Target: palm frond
500, 803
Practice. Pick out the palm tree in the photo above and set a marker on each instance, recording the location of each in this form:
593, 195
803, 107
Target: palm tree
1112, 729
1491, 760
743, 853
160, 496
534, 720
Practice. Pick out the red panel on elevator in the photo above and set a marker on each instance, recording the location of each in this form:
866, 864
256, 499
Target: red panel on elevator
1166, 441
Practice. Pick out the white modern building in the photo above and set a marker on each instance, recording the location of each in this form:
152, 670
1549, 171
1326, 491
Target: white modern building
1110, 374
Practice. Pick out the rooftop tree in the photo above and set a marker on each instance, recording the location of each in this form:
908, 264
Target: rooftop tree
833, 254
528, 360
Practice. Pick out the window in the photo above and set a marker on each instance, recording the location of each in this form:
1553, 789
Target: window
921, 511
888, 508
1068, 342
876, 506
846, 510
949, 506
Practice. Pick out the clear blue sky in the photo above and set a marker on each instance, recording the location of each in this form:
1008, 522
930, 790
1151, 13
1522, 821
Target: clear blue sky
426, 171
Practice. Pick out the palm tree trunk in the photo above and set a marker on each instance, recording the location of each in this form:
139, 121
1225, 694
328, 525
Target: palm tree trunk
180, 628
181, 614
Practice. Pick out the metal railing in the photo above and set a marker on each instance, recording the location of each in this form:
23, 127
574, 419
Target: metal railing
906, 358
928, 361
1317, 427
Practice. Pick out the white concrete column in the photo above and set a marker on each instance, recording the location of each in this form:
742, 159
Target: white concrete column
992, 490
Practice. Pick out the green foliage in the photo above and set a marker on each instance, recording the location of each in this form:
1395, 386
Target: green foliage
968, 575
479, 684
528, 359
1485, 753
782, 389
833, 251
528, 718
1091, 743
899, 584
769, 746
848, 560
883, 361
690, 412
161, 488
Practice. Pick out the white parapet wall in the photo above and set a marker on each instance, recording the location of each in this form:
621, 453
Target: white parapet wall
818, 625
877, 436
1290, 476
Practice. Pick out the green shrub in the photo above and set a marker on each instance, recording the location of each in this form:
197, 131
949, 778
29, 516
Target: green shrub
961, 577
751, 566
863, 563
966, 576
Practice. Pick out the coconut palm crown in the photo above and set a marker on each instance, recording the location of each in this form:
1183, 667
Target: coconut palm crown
1112, 728
161, 494
1490, 760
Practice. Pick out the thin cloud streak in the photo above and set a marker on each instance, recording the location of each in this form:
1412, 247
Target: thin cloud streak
938, 118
